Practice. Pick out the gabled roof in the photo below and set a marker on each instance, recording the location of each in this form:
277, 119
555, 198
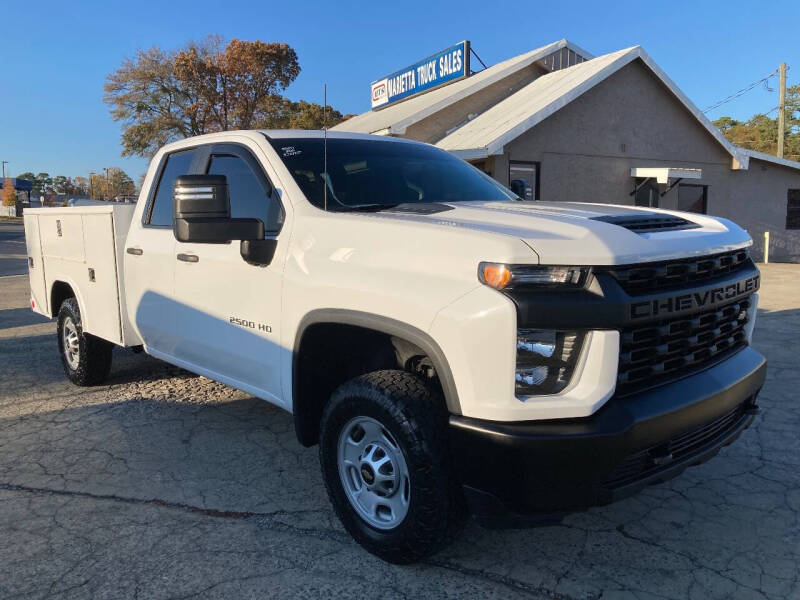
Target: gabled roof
785, 162
396, 118
488, 133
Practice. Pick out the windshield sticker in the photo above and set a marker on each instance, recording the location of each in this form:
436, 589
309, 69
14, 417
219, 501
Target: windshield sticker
290, 151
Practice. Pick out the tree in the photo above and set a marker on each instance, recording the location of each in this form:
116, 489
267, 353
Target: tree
277, 112
97, 186
152, 104
28, 176
160, 96
9, 195
80, 186
760, 132
62, 184
119, 183
232, 82
37, 181
44, 184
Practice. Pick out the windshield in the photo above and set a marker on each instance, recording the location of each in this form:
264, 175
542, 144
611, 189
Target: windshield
374, 174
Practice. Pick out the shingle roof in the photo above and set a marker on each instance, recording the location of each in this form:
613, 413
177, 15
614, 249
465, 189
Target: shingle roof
396, 118
492, 129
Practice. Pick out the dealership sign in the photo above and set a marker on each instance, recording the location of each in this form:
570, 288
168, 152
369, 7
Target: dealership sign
443, 67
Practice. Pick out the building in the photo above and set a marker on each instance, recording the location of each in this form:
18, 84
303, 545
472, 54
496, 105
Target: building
558, 124
23, 189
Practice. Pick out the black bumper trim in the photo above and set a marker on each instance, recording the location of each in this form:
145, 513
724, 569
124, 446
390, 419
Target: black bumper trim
546, 468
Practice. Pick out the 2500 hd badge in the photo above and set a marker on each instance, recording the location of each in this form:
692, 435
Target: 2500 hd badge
695, 300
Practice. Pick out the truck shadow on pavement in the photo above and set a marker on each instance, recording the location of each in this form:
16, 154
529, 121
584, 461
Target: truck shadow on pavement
18, 317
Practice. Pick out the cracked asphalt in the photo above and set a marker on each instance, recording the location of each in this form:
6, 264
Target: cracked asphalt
162, 484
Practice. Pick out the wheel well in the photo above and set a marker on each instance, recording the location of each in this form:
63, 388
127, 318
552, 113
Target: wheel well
328, 354
60, 292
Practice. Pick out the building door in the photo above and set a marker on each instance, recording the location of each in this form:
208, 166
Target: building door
693, 198
647, 194
523, 178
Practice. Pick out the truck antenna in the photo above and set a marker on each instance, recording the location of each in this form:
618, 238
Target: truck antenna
325, 144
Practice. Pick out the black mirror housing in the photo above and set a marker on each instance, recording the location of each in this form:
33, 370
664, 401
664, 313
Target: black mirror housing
258, 252
202, 212
201, 196
213, 230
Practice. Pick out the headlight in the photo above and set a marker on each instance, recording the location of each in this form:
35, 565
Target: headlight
545, 360
501, 277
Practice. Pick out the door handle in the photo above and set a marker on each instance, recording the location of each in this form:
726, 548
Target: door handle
135, 251
188, 257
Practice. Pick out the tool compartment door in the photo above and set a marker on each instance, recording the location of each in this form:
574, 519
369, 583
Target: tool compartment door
39, 299
99, 279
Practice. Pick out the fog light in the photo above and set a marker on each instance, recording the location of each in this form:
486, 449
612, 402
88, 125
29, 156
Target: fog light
545, 360
531, 376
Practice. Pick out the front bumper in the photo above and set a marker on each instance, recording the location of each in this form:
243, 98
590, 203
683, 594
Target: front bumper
552, 467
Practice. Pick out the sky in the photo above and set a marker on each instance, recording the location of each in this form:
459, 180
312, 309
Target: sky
56, 55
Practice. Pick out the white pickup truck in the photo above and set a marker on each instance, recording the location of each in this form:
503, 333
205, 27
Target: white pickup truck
450, 347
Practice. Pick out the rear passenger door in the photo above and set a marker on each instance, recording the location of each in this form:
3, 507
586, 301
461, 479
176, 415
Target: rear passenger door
228, 324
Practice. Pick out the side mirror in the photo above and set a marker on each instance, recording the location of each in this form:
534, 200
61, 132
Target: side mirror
202, 211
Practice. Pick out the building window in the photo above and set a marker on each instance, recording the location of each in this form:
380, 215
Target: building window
693, 198
523, 179
793, 209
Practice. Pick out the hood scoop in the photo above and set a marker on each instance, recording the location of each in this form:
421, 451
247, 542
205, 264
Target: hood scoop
419, 208
647, 222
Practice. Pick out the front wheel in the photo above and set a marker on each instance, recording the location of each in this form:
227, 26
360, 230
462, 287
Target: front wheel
86, 358
385, 461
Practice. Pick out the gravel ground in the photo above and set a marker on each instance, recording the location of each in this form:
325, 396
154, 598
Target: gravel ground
162, 484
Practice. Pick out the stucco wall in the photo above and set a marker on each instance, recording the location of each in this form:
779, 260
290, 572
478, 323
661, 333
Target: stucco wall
587, 149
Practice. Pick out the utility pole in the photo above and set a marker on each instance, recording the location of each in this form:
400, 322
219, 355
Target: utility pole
108, 194
781, 109
91, 189
5, 162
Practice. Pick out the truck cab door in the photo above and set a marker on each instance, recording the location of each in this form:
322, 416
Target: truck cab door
150, 260
228, 315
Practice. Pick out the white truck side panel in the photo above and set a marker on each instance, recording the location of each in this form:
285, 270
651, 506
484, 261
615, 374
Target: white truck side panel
36, 277
83, 246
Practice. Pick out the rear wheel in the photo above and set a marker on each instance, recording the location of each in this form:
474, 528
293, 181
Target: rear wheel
385, 461
86, 358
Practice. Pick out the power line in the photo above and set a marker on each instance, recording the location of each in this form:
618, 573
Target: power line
743, 91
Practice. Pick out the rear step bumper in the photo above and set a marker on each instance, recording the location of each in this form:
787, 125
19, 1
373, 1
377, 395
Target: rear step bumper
538, 471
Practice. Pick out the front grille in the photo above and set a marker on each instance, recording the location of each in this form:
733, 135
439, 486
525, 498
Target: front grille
668, 349
650, 277
651, 460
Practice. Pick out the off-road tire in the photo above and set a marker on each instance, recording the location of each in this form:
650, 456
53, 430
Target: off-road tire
416, 418
94, 354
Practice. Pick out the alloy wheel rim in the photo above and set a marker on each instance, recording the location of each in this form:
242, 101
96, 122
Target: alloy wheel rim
374, 473
71, 343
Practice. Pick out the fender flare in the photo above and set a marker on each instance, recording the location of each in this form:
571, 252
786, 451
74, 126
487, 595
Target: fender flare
385, 325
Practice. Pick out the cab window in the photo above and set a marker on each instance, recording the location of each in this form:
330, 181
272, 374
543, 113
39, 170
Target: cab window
176, 164
250, 198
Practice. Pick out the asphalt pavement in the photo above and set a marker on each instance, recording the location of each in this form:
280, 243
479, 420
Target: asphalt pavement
13, 257
162, 484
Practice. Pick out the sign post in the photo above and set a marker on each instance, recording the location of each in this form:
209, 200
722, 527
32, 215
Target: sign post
441, 68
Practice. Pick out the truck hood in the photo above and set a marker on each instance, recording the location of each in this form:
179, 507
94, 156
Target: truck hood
584, 233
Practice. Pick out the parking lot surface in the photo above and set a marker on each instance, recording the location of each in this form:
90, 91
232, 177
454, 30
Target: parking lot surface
12, 248
162, 484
